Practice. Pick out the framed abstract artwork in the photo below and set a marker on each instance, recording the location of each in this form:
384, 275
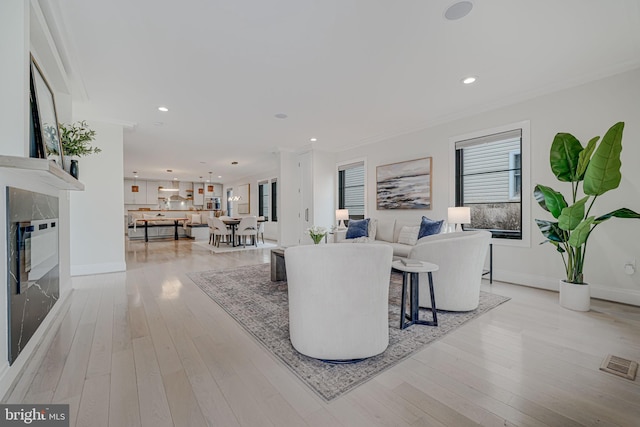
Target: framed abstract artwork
47, 116
404, 185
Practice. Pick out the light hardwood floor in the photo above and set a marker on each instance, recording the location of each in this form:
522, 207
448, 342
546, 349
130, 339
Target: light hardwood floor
148, 348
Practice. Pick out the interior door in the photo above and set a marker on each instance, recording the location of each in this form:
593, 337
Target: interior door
305, 193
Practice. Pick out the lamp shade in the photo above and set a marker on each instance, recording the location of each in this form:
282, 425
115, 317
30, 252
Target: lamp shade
459, 215
342, 214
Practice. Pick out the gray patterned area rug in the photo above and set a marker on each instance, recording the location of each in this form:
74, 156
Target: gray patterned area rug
262, 308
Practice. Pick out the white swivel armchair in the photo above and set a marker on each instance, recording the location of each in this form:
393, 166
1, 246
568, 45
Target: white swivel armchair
248, 227
339, 299
460, 257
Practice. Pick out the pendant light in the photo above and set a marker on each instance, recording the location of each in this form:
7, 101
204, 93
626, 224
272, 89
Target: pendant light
134, 187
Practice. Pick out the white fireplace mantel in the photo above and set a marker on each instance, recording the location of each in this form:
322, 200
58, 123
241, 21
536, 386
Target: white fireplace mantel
49, 171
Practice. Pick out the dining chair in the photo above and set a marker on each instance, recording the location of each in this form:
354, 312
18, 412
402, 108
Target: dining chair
221, 230
212, 229
261, 228
248, 226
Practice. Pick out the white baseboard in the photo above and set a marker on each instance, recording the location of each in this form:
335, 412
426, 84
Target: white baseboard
111, 267
625, 296
42, 335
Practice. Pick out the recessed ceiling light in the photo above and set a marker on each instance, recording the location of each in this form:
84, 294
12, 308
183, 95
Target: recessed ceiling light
169, 170
469, 80
234, 163
281, 116
163, 109
458, 10
313, 139
219, 176
175, 179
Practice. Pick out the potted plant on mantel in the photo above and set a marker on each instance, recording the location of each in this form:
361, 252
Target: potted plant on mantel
76, 142
599, 171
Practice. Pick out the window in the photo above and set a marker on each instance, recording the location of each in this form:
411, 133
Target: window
274, 200
351, 189
488, 177
263, 199
515, 175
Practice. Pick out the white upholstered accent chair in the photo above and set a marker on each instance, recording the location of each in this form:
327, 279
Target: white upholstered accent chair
339, 299
220, 231
460, 257
248, 227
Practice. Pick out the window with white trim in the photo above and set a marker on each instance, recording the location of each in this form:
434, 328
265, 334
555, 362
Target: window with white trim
263, 199
488, 179
274, 200
351, 189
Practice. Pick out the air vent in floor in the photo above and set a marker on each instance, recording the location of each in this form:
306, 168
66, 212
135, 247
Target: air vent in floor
618, 366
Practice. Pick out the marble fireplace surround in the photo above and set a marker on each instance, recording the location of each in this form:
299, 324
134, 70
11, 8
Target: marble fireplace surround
46, 177
33, 283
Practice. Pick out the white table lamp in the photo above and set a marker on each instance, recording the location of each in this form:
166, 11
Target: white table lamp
459, 215
341, 215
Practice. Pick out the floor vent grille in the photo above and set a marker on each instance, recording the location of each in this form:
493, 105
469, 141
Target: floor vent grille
621, 367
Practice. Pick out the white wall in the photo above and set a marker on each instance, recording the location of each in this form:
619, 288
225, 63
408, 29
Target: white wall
584, 111
97, 236
14, 77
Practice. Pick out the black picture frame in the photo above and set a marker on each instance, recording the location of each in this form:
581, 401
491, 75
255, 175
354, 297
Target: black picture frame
36, 145
45, 120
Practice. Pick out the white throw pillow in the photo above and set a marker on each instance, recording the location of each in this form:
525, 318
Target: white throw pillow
408, 235
373, 228
196, 219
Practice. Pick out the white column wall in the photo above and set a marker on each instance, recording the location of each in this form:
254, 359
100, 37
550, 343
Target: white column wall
14, 77
15, 44
585, 111
97, 236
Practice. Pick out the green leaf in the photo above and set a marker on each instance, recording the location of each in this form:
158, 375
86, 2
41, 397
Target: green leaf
618, 213
585, 157
550, 200
572, 216
564, 157
603, 173
551, 231
580, 235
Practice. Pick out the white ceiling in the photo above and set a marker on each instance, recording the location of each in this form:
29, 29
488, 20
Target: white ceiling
348, 72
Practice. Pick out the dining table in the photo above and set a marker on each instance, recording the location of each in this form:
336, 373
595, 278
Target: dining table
176, 222
233, 224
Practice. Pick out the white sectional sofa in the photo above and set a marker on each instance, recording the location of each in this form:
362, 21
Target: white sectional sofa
386, 231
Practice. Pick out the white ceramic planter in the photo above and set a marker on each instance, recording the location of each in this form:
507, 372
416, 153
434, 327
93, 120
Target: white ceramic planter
575, 297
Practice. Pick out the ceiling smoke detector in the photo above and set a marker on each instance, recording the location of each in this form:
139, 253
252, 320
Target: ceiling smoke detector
458, 10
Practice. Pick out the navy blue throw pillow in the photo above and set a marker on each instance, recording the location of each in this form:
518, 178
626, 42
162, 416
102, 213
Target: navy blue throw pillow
429, 227
358, 228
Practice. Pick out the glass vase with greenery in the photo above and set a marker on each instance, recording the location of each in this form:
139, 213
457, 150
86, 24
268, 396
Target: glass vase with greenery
76, 139
598, 169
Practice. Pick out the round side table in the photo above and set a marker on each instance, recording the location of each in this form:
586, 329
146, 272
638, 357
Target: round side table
411, 273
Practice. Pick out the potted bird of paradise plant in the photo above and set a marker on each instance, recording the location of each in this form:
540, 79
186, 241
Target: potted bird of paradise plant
597, 167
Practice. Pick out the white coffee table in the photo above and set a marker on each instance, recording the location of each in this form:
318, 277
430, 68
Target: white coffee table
411, 272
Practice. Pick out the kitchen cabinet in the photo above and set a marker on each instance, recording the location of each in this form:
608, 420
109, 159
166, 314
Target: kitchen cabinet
185, 189
135, 197
198, 194
152, 192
